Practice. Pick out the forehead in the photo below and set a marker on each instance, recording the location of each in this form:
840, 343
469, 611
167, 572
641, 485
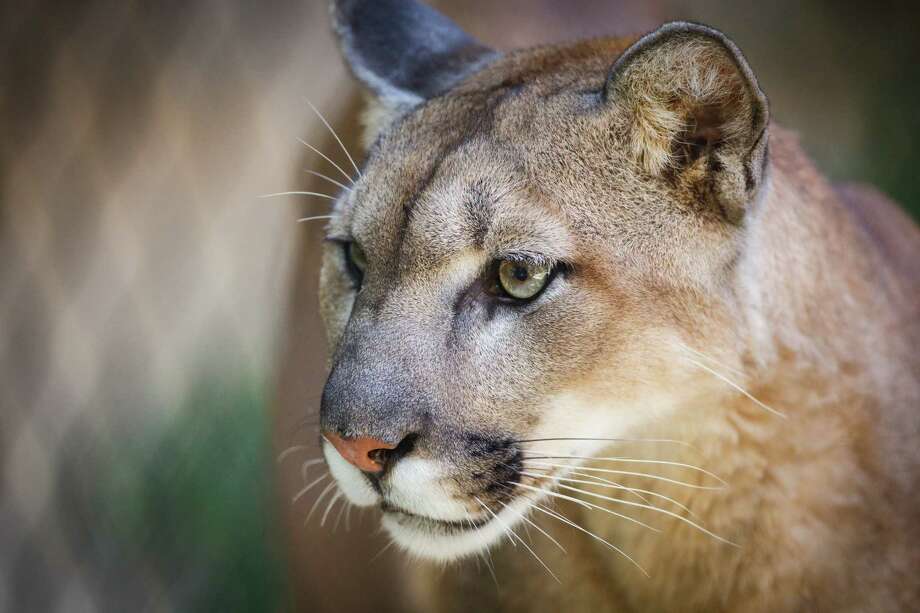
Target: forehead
473, 197
458, 172
436, 186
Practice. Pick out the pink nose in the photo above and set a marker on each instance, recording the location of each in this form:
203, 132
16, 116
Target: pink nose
364, 452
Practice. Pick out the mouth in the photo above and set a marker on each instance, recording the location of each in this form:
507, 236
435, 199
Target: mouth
445, 540
422, 523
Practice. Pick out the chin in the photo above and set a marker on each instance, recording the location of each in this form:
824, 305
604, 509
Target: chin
445, 541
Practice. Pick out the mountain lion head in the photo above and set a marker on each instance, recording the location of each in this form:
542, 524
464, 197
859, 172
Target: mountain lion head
534, 244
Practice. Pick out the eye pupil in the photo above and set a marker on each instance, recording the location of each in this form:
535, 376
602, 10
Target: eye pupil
521, 280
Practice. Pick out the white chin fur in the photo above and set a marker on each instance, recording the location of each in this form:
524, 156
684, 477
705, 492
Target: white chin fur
444, 545
421, 538
417, 485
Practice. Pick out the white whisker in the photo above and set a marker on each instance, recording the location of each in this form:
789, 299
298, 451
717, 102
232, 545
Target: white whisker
631, 461
330, 179
300, 494
503, 524
650, 508
336, 136
734, 371
630, 473
347, 518
568, 521
598, 481
297, 193
737, 387
314, 218
306, 466
589, 505
524, 517
382, 551
636, 491
289, 451
487, 558
601, 481
528, 534
319, 499
326, 157
610, 440
338, 518
520, 540
329, 506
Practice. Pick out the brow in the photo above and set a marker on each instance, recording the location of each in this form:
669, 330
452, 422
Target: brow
536, 238
479, 208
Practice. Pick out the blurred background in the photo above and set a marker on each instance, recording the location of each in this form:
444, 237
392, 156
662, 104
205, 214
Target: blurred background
161, 358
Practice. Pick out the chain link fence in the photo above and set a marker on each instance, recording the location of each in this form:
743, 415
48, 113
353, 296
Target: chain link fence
141, 283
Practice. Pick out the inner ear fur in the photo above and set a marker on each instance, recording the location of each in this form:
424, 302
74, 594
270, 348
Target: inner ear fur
695, 110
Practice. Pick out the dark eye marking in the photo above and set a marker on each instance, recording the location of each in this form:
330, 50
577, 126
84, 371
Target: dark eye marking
486, 296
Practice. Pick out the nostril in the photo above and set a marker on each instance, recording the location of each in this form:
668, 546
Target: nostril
380, 456
369, 454
385, 457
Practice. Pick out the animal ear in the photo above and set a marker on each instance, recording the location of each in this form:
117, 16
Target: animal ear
404, 51
696, 112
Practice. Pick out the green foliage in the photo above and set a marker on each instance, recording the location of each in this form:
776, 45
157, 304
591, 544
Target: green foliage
893, 162
191, 501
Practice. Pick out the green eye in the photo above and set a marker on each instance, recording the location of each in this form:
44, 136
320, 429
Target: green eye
522, 280
356, 256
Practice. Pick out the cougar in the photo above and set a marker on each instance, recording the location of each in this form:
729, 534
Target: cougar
603, 338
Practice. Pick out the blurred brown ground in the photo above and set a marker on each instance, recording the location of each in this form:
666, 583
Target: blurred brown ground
135, 256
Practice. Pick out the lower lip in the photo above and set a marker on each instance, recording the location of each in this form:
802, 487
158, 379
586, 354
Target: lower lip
456, 526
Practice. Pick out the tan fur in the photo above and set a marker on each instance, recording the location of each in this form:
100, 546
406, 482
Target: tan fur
812, 298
